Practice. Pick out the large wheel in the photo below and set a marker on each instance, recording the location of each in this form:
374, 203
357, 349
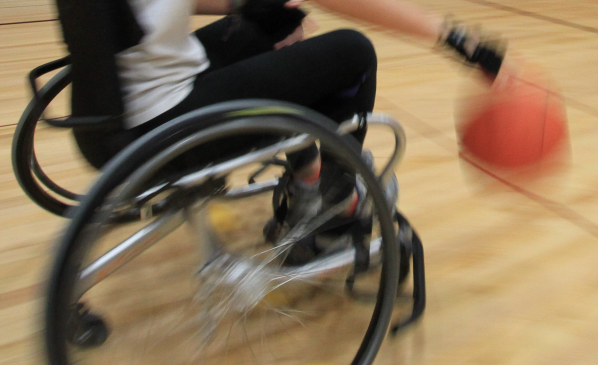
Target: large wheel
216, 293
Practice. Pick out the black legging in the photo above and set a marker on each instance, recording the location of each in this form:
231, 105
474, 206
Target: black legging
334, 74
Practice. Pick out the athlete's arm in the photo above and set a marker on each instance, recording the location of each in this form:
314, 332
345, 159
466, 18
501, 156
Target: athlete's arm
397, 15
409, 19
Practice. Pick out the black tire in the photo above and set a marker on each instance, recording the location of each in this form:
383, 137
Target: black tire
29, 174
248, 116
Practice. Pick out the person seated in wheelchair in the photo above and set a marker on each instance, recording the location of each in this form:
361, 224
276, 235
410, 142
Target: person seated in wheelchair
258, 51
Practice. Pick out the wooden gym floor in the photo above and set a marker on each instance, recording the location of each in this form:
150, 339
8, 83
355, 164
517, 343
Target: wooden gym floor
511, 268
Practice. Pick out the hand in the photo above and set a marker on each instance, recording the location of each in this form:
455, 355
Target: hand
296, 36
278, 19
476, 50
257, 9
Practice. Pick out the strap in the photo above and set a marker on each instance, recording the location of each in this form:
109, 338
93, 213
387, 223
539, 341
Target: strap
362, 254
280, 199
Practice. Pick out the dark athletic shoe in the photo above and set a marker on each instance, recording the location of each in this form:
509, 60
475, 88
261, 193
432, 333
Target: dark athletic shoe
305, 203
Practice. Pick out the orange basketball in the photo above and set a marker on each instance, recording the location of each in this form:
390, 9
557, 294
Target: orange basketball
515, 123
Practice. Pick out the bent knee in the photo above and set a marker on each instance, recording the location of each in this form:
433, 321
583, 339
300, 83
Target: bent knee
351, 43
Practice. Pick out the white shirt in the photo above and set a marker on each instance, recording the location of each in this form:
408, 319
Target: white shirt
159, 72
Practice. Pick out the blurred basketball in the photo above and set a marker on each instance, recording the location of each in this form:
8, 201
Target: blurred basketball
518, 122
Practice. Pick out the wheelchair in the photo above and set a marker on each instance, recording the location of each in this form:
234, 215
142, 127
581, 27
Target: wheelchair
163, 264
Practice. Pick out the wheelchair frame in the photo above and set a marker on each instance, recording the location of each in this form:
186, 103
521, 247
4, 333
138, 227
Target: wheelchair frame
35, 182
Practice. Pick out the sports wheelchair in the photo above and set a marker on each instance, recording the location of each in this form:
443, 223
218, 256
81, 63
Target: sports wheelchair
220, 291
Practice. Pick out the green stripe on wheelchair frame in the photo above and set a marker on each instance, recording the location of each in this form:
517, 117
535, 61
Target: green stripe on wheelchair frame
264, 110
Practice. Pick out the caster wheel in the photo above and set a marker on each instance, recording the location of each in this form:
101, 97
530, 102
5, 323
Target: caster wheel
85, 329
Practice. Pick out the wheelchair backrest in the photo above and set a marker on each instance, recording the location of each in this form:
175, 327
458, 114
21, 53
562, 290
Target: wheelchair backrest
94, 31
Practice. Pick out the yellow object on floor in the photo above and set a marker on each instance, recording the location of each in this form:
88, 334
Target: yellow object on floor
223, 218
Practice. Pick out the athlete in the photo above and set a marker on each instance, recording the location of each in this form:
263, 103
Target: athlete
258, 50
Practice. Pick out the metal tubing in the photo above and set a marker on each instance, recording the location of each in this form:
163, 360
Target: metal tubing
400, 142
267, 153
128, 249
330, 263
251, 189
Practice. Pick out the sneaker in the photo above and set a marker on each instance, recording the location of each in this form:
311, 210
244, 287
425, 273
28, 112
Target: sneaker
305, 202
302, 202
330, 243
391, 189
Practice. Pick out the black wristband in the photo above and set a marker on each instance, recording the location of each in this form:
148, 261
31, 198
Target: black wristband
489, 59
488, 56
457, 39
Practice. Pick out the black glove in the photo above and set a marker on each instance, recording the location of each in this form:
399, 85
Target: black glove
272, 17
488, 55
